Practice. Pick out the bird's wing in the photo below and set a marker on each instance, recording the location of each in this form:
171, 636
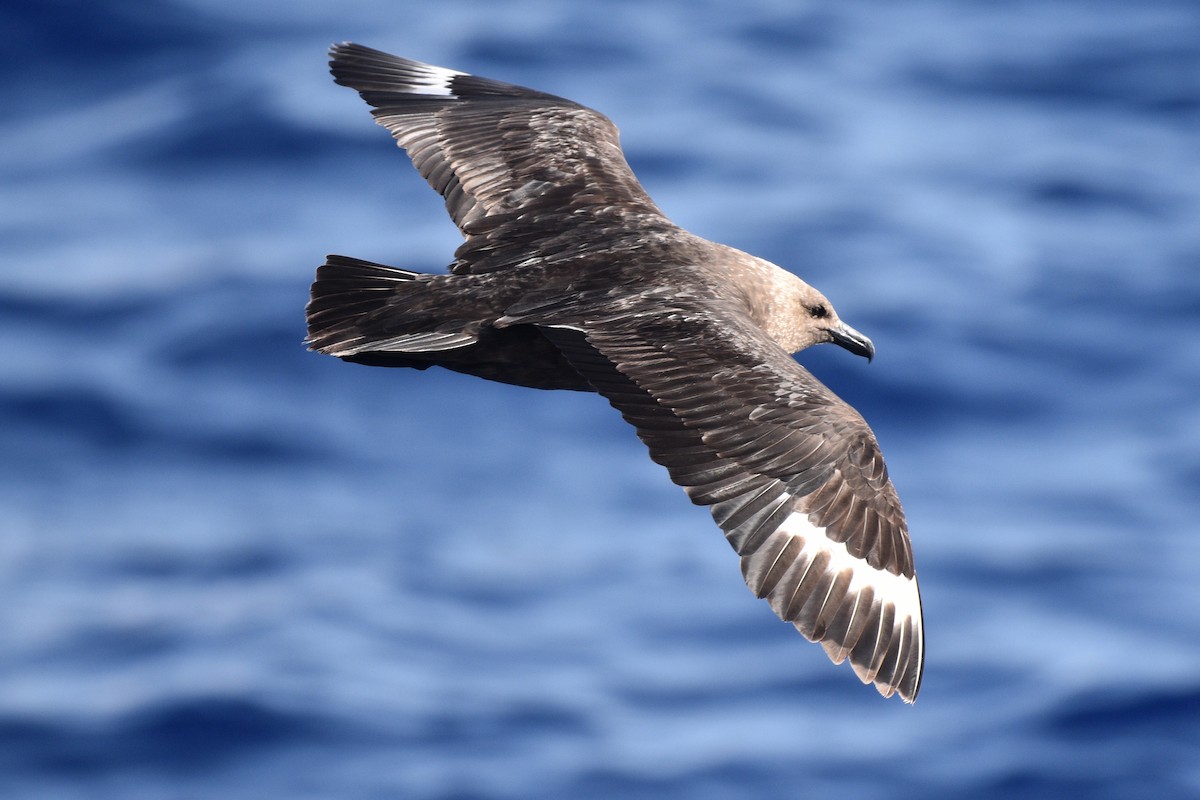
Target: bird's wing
497, 152
791, 473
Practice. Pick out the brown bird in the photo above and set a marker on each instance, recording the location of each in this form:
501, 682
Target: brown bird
570, 277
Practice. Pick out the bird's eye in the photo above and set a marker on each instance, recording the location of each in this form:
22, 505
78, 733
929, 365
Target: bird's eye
818, 312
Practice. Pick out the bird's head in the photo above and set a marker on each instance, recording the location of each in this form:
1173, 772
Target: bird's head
814, 321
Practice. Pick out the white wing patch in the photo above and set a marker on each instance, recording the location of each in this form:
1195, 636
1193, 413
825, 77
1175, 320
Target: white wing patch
855, 592
433, 81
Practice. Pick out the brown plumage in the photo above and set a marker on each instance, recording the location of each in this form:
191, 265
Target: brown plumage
570, 277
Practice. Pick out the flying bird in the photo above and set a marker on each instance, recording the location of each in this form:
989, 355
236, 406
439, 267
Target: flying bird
570, 277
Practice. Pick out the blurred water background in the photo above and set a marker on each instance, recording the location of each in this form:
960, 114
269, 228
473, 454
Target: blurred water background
234, 569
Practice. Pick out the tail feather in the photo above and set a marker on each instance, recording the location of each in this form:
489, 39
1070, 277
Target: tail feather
357, 307
387, 317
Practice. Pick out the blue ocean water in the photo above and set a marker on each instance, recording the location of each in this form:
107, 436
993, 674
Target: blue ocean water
235, 569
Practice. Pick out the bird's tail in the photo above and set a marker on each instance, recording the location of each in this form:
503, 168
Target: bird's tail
362, 311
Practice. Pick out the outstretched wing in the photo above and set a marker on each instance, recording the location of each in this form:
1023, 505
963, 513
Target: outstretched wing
496, 151
791, 473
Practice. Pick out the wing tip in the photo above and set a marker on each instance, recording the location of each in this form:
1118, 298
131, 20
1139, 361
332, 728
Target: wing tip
382, 78
907, 685
868, 616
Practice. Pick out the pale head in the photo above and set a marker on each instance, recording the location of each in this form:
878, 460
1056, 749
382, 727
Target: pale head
799, 316
816, 322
